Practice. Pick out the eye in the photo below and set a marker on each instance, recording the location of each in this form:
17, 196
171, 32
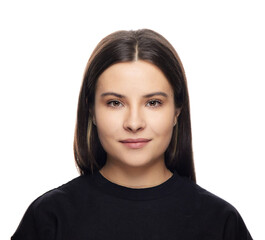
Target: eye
114, 103
154, 103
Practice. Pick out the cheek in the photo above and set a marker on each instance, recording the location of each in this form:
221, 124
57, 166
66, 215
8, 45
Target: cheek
162, 128
107, 124
161, 125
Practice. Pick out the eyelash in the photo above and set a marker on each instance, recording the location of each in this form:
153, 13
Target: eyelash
156, 101
110, 103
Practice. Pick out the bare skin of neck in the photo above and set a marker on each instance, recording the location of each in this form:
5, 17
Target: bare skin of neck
137, 177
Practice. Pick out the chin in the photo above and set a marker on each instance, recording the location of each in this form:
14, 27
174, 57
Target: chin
137, 161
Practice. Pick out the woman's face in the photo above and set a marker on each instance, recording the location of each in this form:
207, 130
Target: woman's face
134, 113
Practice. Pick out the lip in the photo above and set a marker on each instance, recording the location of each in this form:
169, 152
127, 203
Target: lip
135, 140
135, 143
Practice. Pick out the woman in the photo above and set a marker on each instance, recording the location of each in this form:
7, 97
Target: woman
133, 149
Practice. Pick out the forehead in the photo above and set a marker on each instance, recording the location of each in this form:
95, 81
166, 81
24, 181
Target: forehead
129, 77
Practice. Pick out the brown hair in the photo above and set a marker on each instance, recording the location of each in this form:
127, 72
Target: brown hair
126, 46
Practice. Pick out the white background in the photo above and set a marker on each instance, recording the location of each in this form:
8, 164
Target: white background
44, 47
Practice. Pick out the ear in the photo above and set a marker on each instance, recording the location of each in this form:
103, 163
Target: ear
94, 121
92, 114
177, 113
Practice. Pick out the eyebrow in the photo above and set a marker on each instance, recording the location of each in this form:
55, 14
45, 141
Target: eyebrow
145, 96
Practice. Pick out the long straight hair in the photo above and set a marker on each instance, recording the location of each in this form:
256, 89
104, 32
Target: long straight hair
128, 46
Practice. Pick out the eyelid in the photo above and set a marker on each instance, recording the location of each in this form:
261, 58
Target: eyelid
155, 100
109, 102
113, 100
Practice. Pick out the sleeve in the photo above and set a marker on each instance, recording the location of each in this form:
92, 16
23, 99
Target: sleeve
38, 222
235, 228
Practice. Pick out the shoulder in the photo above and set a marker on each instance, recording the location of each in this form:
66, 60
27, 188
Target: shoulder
203, 197
71, 191
214, 213
46, 213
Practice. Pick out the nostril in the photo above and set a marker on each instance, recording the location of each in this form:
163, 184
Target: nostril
131, 129
134, 125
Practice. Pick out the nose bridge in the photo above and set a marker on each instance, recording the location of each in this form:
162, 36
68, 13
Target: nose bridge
134, 118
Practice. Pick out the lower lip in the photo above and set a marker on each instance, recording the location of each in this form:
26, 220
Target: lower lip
134, 145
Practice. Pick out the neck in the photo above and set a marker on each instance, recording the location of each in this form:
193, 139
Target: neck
141, 177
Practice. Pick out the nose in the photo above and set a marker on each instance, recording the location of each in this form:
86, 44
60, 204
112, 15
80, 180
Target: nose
134, 120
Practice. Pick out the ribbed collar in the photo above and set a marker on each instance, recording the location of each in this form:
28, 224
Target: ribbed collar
136, 194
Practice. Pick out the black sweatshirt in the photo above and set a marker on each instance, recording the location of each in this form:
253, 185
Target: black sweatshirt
92, 207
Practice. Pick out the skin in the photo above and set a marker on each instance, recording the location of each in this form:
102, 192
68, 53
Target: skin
134, 115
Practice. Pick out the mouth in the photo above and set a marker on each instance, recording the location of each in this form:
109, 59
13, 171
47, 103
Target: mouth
135, 143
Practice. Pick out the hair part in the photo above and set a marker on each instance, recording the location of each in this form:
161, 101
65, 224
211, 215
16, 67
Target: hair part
136, 52
128, 46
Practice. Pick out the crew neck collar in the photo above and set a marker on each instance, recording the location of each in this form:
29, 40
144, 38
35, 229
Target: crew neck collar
136, 194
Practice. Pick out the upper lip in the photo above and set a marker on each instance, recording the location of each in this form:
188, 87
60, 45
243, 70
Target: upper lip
136, 140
